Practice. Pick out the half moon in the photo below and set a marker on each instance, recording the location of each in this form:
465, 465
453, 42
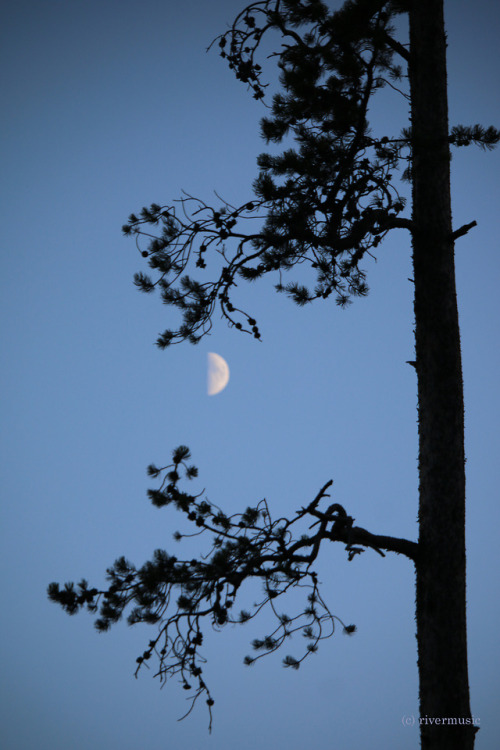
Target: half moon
217, 374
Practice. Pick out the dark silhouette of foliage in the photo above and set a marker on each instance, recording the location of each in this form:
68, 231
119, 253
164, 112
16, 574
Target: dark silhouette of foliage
326, 202
184, 597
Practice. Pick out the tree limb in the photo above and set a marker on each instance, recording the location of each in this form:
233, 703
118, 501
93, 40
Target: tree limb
398, 223
396, 46
463, 230
358, 536
184, 597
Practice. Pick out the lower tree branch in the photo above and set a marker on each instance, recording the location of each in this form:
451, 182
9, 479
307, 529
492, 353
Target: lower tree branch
355, 535
184, 596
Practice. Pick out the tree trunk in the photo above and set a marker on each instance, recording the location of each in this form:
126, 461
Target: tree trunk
445, 719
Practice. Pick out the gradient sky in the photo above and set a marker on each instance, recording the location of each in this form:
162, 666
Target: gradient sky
109, 106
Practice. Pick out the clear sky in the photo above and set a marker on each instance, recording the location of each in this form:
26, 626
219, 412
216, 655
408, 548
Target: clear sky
109, 106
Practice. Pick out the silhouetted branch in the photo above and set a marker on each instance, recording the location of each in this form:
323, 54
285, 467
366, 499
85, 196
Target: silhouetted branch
327, 202
182, 596
397, 47
463, 230
478, 135
357, 536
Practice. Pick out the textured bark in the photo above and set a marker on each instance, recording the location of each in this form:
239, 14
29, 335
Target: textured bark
440, 567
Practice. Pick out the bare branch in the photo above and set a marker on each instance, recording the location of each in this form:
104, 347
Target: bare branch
463, 230
397, 47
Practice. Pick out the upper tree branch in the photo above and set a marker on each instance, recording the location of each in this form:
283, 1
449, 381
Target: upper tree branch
463, 230
396, 46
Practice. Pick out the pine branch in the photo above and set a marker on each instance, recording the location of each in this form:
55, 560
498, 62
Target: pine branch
465, 135
397, 47
328, 201
355, 535
183, 597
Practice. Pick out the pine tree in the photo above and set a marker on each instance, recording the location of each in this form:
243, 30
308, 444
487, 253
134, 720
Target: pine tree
326, 201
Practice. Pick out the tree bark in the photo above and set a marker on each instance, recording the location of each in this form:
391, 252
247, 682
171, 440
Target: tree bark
440, 566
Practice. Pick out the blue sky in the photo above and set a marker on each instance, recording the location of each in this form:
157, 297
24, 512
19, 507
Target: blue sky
108, 107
